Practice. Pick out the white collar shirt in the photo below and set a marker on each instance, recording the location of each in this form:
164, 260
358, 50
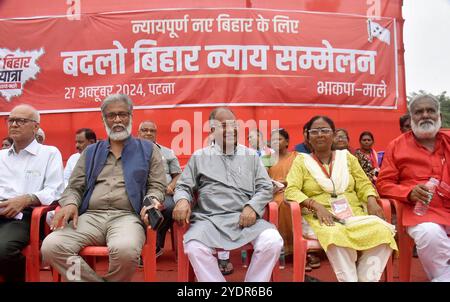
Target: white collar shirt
37, 169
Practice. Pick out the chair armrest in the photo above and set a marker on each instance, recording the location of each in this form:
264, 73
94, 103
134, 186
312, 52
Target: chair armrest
150, 233
35, 227
179, 230
273, 213
398, 206
296, 215
387, 210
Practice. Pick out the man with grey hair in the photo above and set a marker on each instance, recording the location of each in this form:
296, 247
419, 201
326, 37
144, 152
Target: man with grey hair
409, 162
104, 199
233, 189
148, 130
40, 136
31, 174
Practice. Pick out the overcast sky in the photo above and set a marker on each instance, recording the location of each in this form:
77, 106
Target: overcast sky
427, 45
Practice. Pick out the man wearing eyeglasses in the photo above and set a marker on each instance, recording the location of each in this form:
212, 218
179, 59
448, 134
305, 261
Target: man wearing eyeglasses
30, 174
147, 130
103, 201
233, 189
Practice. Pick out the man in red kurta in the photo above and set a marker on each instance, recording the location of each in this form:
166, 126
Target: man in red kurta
409, 162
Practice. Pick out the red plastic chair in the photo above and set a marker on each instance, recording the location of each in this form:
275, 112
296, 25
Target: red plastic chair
405, 243
302, 245
185, 271
148, 256
32, 250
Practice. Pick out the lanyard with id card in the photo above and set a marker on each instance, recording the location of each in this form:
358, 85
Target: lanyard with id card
339, 204
341, 207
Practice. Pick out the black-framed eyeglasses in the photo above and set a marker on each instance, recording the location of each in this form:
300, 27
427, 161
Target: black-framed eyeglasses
19, 121
318, 131
111, 116
230, 124
149, 130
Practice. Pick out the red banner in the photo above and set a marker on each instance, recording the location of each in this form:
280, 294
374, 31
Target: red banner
199, 57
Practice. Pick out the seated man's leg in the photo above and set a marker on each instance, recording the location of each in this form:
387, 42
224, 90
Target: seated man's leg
167, 213
203, 262
125, 237
372, 262
433, 248
267, 248
14, 236
60, 248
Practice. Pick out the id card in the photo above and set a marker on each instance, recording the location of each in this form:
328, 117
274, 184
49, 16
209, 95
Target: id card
341, 207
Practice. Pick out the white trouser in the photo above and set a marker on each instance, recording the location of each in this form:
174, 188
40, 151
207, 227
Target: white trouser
368, 268
267, 247
433, 249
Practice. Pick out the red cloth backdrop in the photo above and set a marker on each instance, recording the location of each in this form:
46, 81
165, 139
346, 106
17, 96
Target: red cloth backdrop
272, 61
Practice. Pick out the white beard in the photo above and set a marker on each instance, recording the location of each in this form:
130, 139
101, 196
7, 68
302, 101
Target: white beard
119, 136
426, 128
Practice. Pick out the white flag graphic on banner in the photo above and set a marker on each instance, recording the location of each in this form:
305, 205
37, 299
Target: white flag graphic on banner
376, 30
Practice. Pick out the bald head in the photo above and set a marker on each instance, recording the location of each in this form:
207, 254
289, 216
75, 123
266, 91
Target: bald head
23, 124
27, 110
217, 111
147, 130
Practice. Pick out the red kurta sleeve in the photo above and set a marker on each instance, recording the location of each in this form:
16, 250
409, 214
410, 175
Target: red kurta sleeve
388, 182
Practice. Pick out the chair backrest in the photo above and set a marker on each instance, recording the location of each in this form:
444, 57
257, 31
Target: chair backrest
302, 245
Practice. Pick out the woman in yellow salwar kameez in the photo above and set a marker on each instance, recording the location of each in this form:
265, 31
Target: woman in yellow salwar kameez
336, 192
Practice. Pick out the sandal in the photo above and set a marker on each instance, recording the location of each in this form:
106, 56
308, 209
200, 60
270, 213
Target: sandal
308, 268
313, 261
226, 267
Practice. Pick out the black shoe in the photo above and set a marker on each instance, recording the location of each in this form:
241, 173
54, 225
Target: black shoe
308, 278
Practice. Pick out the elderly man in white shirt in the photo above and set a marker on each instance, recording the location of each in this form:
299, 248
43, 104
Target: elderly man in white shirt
31, 174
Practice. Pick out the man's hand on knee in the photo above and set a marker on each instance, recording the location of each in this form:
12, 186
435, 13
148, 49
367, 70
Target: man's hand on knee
182, 211
63, 216
248, 217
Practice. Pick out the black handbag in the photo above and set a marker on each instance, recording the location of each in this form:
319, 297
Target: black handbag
155, 218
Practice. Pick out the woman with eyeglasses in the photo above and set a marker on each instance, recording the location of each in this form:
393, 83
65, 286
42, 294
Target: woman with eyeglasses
334, 193
367, 156
341, 140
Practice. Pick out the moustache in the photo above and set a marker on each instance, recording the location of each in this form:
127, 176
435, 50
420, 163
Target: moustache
427, 121
118, 126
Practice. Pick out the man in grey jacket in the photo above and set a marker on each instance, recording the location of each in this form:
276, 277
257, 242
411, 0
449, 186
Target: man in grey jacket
233, 190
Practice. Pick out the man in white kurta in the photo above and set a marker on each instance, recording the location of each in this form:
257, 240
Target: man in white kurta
233, 189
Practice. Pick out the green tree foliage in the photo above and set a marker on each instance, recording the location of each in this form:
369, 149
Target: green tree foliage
444, 99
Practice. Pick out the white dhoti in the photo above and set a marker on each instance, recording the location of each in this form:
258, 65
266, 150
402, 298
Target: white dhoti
267, 248
433, 249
